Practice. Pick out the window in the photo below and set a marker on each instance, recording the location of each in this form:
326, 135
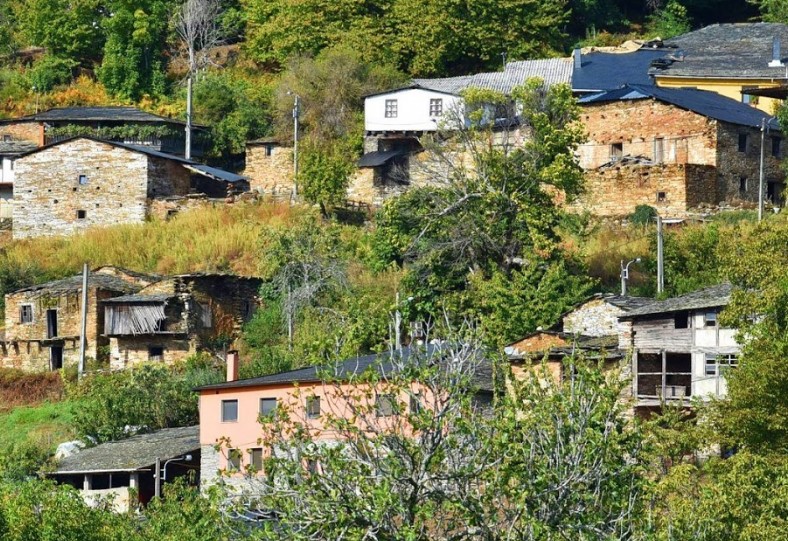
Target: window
234, 460
659, 150
313, 407
256, 458
436, 107
80, 214
7, 139
616, 151
229, 411
83, 179
710, 319
681, 320
742, 142
717, 365
391, 108
269, 150
26, 313
385, 405
661, 197
776, 146
415, 403
742, 185
156, 353
267, 407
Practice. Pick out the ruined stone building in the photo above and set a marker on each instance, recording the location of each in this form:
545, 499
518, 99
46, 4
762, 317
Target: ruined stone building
77, 183
43, 322
675, 150
178, 316
269, 168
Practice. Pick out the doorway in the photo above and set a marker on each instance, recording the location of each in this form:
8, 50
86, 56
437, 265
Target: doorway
56, 357
51, 323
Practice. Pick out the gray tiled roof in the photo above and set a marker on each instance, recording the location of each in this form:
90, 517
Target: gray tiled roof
74, 283
708, 104
11, 148
142, 297
95, 114
709, 297
741, 50
601, 70
349, 368
133, 453
551, 70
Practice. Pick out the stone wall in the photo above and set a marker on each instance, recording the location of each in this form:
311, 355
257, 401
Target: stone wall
167, 178
24, 131
672, 189
596, 317
269, 167
49, 199
128, 351
734, 165
686, 137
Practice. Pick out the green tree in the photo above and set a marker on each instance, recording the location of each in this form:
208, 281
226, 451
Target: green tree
773, 11
324, 175
670, 20
50, 71
136, 34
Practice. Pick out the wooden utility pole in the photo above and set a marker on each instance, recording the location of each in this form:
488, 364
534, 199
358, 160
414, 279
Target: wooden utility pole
83, 331
157, 480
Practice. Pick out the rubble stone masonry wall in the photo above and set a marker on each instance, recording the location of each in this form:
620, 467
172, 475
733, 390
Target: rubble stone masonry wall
24, 131
270, 168
49, 199
739, 169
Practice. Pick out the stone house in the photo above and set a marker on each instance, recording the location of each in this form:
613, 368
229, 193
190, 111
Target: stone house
269, 168
71, 185
679, 350
675, 150
178, 316
115, 123
43, 322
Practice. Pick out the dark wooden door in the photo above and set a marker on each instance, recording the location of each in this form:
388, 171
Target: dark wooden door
51, 323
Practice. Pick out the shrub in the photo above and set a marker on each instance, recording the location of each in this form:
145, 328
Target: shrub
51, 71
643, 215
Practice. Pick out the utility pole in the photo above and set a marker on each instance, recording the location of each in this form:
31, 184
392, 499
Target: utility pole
157, 478
83, 331
397, 325
760, 177
296, 113
660, 258
188, 151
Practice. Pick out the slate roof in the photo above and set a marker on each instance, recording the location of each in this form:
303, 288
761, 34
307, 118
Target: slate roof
134, 453
729, 51
346, 369
74, 283
606, 71
141, 297
12, 148
709, 297
379, 157
551, 70
94, 114
588, 346
708, 104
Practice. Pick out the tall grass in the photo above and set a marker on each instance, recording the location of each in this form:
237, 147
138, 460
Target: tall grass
211, 239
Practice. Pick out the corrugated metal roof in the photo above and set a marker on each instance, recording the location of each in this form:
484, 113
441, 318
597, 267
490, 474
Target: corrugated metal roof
729, 51
709, 104
709, 297
352, 367
134, 453
215, 173
551, 70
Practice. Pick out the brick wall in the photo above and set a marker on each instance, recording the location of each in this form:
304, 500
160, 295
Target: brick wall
271, 174
48, 195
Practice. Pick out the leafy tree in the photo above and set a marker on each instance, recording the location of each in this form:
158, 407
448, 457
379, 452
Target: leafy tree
774, 11
669, 21
134, 62
50, 71
324, 175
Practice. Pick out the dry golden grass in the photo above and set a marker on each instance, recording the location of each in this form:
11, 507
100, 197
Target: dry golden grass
217, 239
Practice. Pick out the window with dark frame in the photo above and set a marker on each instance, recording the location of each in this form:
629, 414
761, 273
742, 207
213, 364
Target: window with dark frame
269, 150
742, 142
661, 197
229, 411
742, 185
81, 214
616, 151
234, 459
267, 407
256, 458
313, 407
83, 179
776, 141
26, 313
717, 365
385, 405
681, 320
391, 108
436, 106
710, 319
156, 353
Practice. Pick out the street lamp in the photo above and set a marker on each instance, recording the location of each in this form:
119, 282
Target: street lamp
161, 471
296, 114
625, 275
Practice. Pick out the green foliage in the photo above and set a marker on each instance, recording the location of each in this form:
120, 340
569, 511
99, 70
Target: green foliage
643, 215
237, 110
129, 131
669, 21
149, 397
134, 63
51, 71
17, 275
324, 175
692, 258
773, 11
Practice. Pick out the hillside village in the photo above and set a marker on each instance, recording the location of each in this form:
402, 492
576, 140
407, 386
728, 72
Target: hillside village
369, 287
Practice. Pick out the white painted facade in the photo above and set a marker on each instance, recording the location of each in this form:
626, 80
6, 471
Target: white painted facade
711, 346
6, 187
7, 170
409, 109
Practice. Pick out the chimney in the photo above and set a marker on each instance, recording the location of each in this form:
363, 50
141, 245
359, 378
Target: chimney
777, 61
577, 56
232, 365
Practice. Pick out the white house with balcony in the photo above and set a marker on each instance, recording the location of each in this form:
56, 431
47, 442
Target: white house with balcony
679, 349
